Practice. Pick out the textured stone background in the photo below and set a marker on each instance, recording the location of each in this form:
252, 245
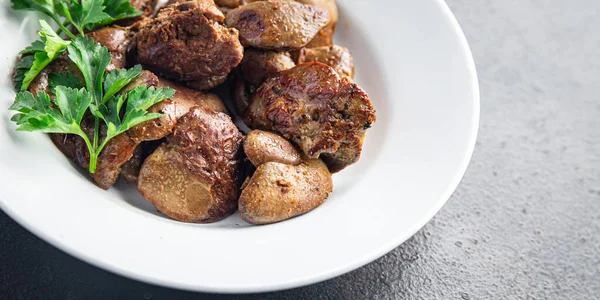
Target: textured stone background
525, 222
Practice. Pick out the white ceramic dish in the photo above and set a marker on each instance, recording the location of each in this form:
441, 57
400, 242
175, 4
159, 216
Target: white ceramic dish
414, 61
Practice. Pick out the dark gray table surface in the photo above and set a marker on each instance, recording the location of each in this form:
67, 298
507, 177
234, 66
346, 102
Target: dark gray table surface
524, 223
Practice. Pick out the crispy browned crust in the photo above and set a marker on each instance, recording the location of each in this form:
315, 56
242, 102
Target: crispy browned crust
186, 42
172, 109
115, 154
278, 192
316, 109
263, 147
277, 24
195, 176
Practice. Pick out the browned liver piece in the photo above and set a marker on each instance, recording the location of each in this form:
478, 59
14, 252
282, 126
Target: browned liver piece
117, 40
325, 115
325, 36
186, 42
263, 147
256, 66
277, 24
195, 175
277, 192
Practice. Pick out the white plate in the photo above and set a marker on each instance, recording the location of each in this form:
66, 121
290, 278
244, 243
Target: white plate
415, 63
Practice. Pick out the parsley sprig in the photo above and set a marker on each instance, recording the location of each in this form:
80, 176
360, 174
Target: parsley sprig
39, 55
100, 95
83, 15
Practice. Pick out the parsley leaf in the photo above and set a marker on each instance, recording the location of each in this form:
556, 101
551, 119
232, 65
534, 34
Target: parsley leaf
117, 79
50, 8
120, 9
20, 69
139, 100
87, 14
73, 103
84, 14
36, 46
53, 47
66, 79
100, 94
81, 14
44, 6
37, 113
92, 59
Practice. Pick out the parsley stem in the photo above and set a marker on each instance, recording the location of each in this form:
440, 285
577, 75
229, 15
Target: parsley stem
86, 139
93, 162
60, 29
67, 31
96, 152
103, 144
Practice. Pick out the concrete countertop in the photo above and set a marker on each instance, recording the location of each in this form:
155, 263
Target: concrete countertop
524, 223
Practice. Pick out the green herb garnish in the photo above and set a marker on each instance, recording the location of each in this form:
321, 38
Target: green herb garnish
83, 15
53, 46
64, 113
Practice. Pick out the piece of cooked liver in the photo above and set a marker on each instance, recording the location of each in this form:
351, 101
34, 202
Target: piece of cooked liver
277, 24
195, 175
186, 42
325, 115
